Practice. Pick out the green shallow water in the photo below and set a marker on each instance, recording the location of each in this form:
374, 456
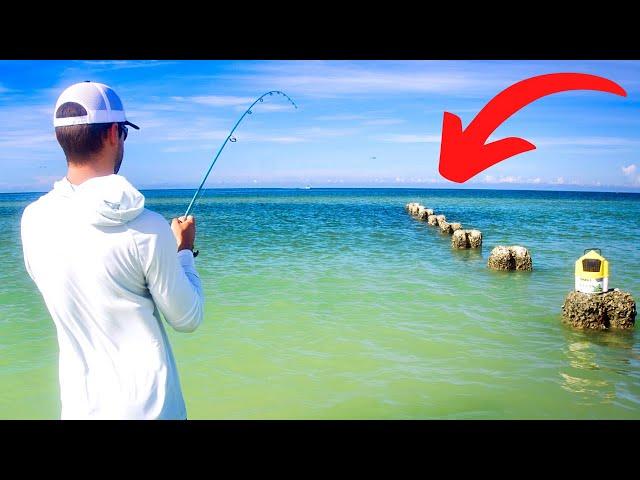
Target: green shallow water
336, 304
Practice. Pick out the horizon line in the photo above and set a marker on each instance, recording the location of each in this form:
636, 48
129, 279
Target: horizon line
582, 190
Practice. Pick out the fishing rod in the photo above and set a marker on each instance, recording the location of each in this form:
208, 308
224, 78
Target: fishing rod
232, 139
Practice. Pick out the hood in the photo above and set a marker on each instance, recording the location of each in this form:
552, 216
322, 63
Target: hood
104, 201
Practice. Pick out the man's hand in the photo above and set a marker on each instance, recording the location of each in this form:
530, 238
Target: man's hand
185, 232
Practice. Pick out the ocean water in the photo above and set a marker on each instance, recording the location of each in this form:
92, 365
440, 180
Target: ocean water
336, 304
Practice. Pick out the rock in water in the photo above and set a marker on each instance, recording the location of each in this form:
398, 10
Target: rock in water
466, 238
432, 220
441, 218
423, 213
621, 309
501, 259
409, 207
455, 226
510, 258
475, 238
459, 239
445, 227
613, 309
522, 258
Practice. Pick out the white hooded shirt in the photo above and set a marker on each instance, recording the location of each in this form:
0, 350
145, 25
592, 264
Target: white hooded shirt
106, 266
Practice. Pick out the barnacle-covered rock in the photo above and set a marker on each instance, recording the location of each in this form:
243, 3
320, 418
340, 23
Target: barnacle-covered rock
613, 309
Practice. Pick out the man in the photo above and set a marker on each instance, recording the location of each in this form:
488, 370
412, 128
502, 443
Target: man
106, 267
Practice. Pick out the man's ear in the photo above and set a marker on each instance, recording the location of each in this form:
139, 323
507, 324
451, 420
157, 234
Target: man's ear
113, 134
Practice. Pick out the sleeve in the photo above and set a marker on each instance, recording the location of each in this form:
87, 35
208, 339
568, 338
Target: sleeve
172, 280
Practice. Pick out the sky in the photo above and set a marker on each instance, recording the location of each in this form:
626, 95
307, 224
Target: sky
358, 123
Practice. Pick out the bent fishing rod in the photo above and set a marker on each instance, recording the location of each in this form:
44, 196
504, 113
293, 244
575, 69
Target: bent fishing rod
232, 139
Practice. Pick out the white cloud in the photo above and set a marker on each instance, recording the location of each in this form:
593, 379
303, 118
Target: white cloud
518, 180
630, 171
187, 148
510, 179
328, 132
27, 139
558, 181
268, 107
503, 179
204, 132
217, 100
423, 180
368, 118
190, 134
241, 103
384, 121
410, 138
341, 117
155, 105
331, 79
251, 137
21, 116
120, 64
585, 141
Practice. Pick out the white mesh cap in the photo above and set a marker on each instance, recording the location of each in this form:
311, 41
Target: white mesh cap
102, 104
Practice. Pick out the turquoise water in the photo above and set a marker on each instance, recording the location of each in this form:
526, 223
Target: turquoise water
337, 304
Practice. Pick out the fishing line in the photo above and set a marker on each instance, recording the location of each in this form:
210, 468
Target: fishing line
232, 139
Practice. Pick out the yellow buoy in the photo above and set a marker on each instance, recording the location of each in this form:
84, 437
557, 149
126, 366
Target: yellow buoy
592, 272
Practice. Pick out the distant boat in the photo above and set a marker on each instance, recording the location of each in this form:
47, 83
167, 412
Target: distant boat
308, 187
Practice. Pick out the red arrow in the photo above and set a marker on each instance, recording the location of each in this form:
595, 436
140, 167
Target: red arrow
464, 154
